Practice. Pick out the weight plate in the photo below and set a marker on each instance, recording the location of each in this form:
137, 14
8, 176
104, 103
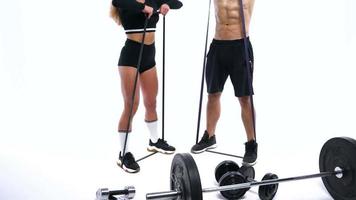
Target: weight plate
225, 166
248, 172
231, 178
339, 152
267, 192
185, 177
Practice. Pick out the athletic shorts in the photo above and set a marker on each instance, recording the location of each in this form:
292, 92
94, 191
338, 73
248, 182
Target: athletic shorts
227, 58
130, 53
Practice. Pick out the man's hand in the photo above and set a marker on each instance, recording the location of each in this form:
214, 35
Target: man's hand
148, 10
164, 9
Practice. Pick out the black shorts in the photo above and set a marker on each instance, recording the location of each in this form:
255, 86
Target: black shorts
227, 57
130, 53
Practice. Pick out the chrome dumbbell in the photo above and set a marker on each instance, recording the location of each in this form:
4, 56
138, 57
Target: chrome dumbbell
106, 194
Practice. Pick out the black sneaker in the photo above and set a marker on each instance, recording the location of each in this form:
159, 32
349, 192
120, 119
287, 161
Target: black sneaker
161, 146
128, 163
250, 156
204, 144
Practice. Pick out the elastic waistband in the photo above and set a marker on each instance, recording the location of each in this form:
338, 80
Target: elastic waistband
132, 42
229, 42
140, 30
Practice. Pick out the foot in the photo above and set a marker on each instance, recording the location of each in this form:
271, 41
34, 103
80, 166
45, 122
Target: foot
204, 144
250, 156
128, 163
161, 146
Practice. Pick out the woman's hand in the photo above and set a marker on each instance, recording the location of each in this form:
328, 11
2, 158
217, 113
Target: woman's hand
148, 10
164, 9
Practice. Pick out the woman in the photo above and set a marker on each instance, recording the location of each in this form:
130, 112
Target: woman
131, 14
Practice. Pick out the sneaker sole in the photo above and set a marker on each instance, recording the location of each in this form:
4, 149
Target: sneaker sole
207, 148
131, 171
155, 149
249, 164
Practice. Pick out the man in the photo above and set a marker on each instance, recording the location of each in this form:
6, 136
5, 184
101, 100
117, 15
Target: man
226, 57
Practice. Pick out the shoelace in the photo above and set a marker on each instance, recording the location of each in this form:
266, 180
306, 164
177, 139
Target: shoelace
163, 142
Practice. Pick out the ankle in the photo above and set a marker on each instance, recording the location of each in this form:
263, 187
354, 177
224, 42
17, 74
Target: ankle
210, 133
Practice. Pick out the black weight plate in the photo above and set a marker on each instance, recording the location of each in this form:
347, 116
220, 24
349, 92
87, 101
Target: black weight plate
185, 177
248, 172
339, 152
225, 166
267, 192
231, 178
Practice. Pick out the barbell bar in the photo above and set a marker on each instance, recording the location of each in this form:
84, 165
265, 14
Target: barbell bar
176, 193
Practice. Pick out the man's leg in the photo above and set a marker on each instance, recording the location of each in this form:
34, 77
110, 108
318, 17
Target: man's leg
216, 76
246, 115
208, 140
241, 79
213, 112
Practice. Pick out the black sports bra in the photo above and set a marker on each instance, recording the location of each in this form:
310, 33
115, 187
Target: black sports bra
132, 17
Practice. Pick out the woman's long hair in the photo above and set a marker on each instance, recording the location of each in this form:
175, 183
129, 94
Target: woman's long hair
114, 14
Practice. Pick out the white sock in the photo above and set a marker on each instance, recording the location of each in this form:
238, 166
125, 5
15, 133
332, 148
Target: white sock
152, 127
122, 136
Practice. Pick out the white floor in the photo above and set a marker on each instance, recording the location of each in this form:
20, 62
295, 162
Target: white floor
59, 152
60, 96
65, 170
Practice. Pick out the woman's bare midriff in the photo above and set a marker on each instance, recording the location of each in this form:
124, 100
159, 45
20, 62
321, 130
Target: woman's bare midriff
137, 37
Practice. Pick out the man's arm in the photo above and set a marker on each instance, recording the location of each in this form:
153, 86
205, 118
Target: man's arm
252, 4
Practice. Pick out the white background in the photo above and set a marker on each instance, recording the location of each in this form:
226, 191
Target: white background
60, 95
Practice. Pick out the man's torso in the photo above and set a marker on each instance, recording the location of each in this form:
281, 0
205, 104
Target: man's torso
228, 19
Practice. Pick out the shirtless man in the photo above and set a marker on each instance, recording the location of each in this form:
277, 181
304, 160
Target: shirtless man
226, 57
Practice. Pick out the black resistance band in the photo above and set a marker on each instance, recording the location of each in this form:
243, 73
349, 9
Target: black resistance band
135, 84
163, 71
203, 75
248, 66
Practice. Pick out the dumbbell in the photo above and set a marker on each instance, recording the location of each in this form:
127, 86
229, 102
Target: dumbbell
106, 194
228, 172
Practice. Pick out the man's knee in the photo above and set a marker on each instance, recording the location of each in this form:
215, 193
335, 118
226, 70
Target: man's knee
214, 97
245, 101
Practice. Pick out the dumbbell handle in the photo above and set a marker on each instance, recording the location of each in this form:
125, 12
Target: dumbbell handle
159, 195
118, 192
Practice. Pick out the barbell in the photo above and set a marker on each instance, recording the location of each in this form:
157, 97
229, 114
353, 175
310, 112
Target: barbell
106, 194
337, 164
